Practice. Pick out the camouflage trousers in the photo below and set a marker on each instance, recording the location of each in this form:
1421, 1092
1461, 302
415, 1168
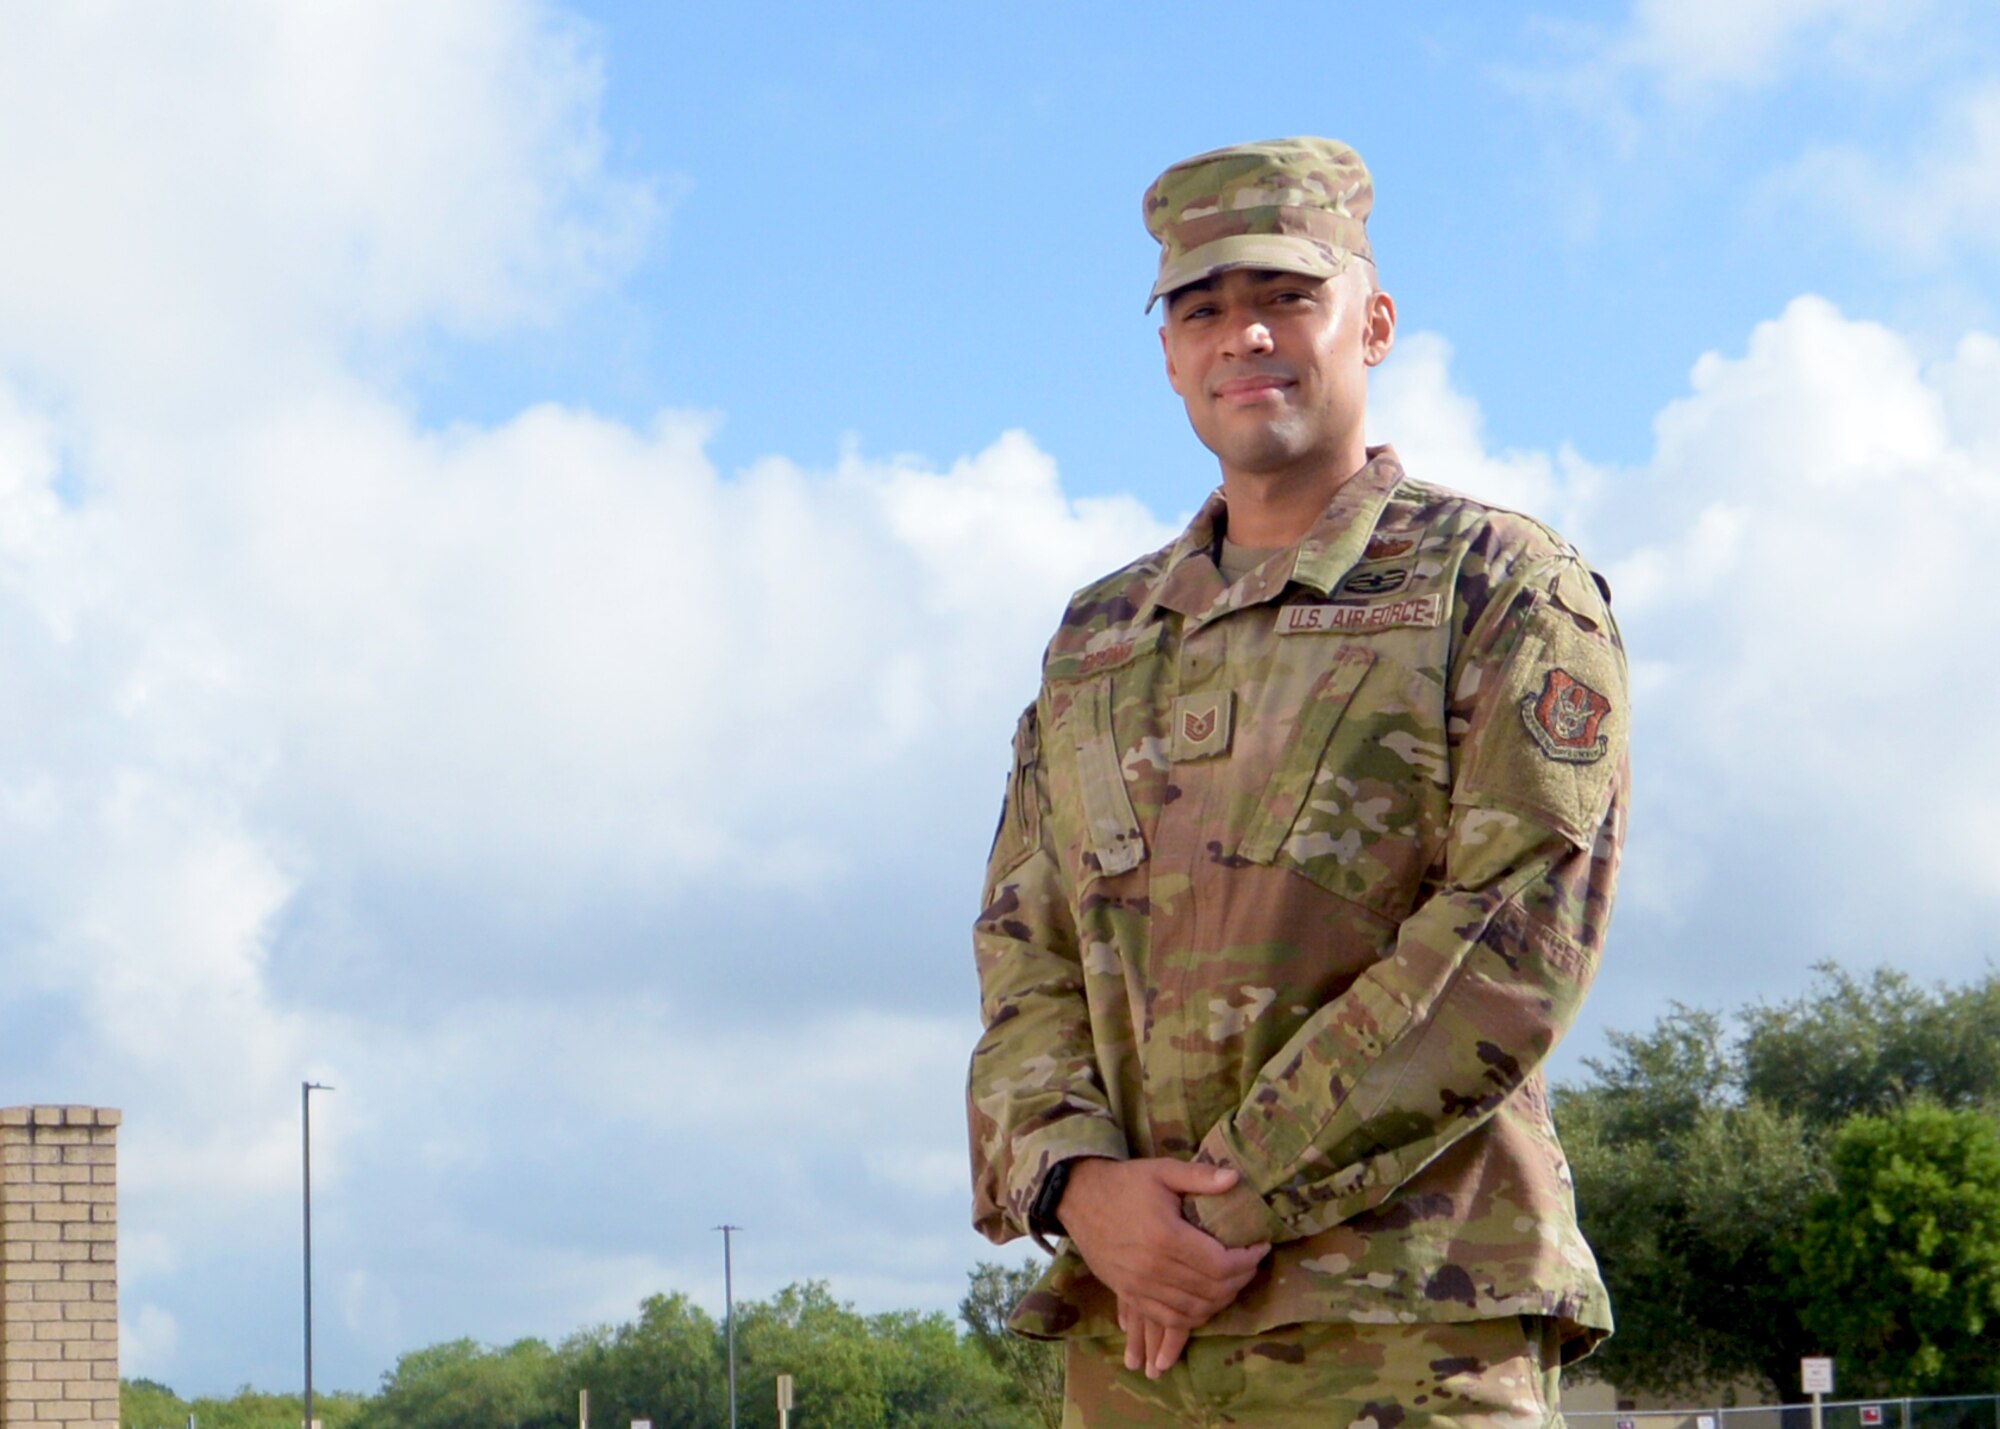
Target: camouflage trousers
1483, 1374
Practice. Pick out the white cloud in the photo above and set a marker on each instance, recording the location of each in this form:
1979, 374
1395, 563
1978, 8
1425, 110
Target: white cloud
1795, 569
1440, 435
1807, 560
272, 645
146, 1342
222, 195
1694, 47
1933, 202
1966, 383
1694, 54
1799, 571
556, 659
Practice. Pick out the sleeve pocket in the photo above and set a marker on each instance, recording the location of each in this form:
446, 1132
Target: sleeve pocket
1553, 739
1021, 815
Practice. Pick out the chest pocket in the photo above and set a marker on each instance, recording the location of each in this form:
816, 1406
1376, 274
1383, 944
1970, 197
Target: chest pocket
1353, 793
1112, 833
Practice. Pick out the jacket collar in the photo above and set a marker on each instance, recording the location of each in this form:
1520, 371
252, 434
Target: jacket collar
1189, 582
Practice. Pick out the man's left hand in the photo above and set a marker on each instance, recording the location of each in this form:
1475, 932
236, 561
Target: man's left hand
1149, 1345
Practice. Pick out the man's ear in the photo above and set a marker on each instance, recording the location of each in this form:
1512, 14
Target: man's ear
1378, 329
1167, 351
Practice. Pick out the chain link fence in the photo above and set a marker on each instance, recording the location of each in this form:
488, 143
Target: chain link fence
1979, 1411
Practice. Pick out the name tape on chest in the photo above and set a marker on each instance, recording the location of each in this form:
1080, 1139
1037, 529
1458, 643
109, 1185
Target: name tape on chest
1417, 610
1108, 651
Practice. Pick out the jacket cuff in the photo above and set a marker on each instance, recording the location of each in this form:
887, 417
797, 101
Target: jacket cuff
1043, 1221
1037, 1155
1239, 1216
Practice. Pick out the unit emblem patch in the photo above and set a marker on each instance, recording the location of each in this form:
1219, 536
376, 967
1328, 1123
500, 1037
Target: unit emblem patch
1382, 547
1564, 717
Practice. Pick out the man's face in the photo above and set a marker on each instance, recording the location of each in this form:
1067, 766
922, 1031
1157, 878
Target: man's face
1274, 366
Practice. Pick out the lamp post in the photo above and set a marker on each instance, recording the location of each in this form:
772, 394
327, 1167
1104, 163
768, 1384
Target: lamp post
728, 1316
306, 1089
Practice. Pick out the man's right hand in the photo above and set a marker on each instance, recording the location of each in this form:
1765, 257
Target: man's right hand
1124, 1217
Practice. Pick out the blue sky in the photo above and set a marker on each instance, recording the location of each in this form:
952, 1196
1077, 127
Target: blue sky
524, 529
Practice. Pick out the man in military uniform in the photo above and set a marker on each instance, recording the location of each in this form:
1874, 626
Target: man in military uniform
1305, 865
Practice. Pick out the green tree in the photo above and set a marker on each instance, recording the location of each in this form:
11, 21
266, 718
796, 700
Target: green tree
824, 1345
931, 1375
1900, 1260
1032, 1370
462, 1382
1699, 1147
1687, 1228
902, 1370
1853, 1045
148, 1404
667, 1366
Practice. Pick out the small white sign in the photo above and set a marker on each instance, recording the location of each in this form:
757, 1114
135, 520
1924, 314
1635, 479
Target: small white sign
1704, 1421
642, 1424
1871, 1415
1816, 1374
784, 1391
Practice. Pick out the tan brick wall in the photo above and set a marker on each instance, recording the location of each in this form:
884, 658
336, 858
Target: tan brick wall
59, 1267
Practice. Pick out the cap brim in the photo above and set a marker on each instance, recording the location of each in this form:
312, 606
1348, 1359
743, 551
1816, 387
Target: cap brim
1282, 252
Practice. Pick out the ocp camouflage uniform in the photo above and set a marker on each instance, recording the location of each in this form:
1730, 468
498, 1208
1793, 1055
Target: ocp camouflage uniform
1496, 1374
1305, 876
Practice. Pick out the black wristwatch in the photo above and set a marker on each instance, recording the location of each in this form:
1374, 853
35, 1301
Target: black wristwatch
1042, 1221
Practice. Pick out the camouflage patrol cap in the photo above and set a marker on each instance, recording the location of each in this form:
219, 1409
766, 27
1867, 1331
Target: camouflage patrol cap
1297, 205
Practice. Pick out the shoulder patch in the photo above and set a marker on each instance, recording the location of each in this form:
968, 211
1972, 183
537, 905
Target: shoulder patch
1549, 734
1563, 718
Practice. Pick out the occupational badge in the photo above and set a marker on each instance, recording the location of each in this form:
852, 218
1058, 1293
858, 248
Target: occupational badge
1376, 580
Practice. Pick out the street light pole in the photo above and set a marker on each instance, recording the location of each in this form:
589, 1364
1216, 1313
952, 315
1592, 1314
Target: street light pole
306, 1089
728, 1316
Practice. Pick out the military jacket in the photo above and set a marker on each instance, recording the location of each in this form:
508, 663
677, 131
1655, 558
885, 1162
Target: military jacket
1305, 876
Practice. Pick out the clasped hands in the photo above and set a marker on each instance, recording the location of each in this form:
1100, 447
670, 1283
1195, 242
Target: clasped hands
1124, 1217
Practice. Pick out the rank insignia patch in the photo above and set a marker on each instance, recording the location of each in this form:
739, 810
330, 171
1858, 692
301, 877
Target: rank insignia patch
1564, 717
1201, 725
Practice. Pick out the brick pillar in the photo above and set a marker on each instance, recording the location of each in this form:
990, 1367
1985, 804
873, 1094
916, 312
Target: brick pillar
59, 1267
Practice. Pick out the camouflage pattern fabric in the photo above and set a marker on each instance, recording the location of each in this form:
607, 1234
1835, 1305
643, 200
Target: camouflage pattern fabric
1296, 205
1486, 1374
1305, 876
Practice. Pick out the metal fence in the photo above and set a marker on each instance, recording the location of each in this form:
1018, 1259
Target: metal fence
1979, 1411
